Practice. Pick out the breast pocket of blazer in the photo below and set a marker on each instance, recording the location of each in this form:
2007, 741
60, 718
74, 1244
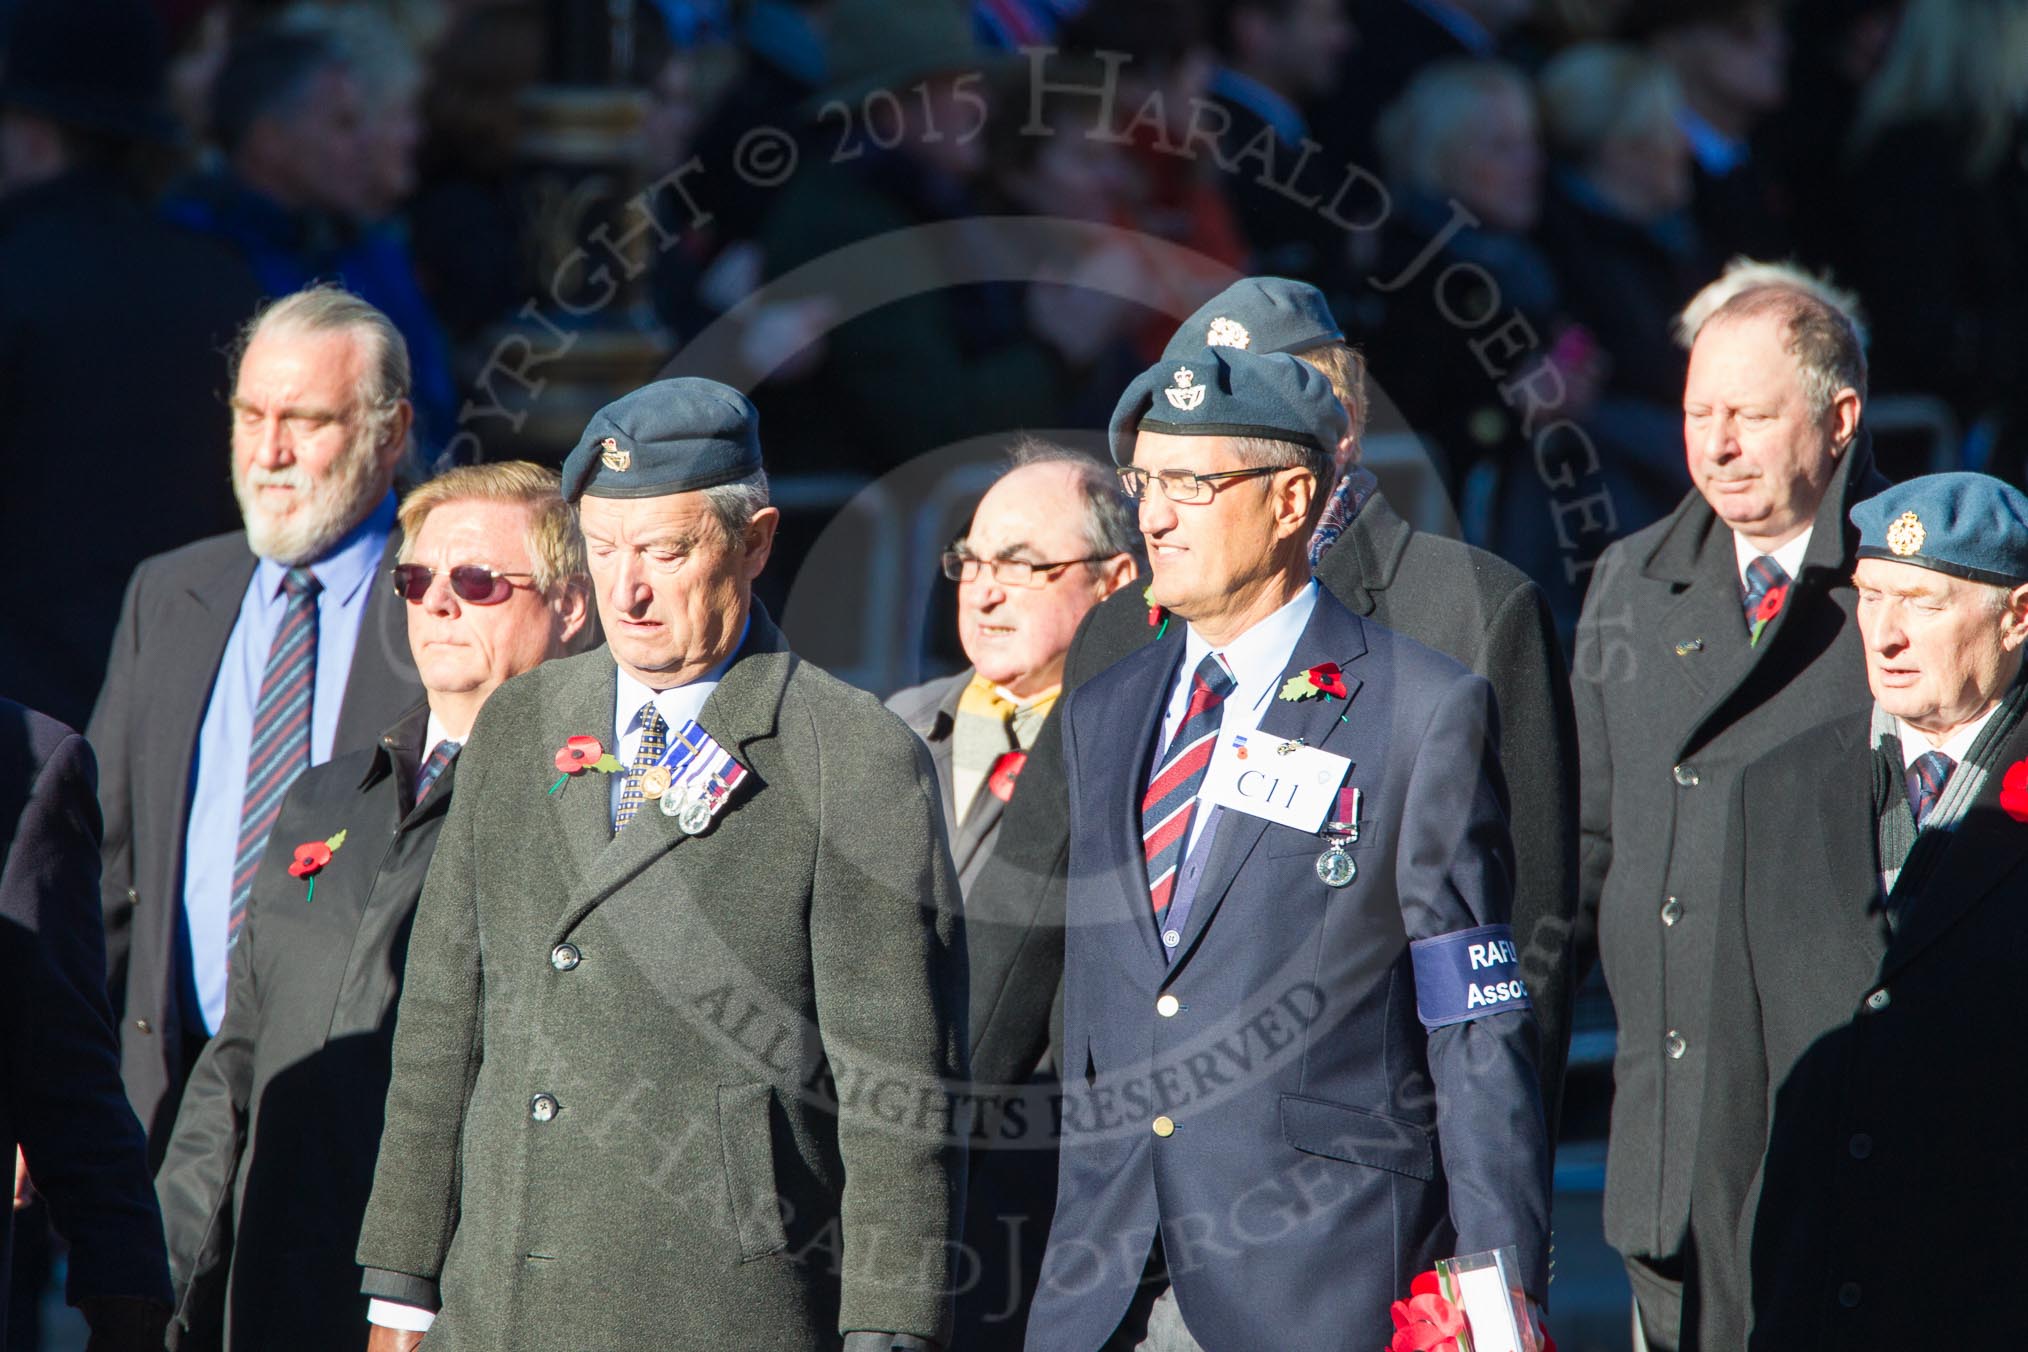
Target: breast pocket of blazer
1357, 1136
746, 1134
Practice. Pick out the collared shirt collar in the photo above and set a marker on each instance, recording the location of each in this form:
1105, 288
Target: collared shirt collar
1717, 153
1914, 742
1789, 556
1474, 36
1264, 103
1258, 657
346, 566
433, 733
678, 705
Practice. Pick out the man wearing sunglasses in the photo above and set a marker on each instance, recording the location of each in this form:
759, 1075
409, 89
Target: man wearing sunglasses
1298, 1060
241, 661
267, 1171
686, 994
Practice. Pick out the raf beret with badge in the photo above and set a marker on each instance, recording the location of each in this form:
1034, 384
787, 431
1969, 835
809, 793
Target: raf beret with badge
671, 436
1970, 526
1230, 392
1260, 315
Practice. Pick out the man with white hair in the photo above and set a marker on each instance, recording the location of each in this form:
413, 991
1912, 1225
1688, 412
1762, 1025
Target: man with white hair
1707, 638
242, 660
1861, 1145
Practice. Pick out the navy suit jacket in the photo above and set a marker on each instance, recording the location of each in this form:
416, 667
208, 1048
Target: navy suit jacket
1325, 1147
60, 1096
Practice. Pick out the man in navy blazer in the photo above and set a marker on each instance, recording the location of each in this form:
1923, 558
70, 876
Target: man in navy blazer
1299, 1060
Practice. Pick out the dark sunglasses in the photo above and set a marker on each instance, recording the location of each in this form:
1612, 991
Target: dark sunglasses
473, 583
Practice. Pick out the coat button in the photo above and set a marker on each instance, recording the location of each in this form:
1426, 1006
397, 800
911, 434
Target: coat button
1688, 646
1675, 1045
133, 897
1848, 1295
564, 957
1686, 775
143, 1026
1171, 938
542, 1107
1165, 1126
1861, 1145
1877, 1001
1167, 1006
1672, 911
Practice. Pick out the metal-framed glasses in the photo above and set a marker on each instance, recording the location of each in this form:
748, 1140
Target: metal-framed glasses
1180, 485
473, 583
962, 567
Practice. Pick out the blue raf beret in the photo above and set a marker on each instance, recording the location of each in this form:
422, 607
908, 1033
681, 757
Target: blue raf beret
1971, 526
672, 436
1229, 392
1258, 314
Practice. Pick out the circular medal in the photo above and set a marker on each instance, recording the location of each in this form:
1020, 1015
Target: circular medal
695, 817
655, 781
672, 802
1335, 867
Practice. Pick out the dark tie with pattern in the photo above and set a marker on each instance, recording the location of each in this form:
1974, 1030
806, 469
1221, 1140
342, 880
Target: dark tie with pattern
1926, 780
654, 745
433, 768
1763, 575
1171, 800
279, 749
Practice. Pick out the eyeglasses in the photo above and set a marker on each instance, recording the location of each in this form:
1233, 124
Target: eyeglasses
472, 583
1180, 485
961, 567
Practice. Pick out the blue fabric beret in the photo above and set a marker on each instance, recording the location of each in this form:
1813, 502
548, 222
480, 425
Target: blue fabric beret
1971, 526
671, 436
1229, 392
1259, 314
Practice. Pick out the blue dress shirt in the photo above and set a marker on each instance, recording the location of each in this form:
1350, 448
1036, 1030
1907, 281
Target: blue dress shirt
218, 770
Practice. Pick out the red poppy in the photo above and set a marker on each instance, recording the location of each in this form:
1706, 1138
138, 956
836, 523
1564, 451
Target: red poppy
579, 754
1327, 678
311, 855
1771, 603
2014, 791
1007, 769
1154, 616
1426, 1284
1426, 1322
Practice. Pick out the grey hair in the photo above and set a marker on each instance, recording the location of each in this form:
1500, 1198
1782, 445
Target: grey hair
324, 308
1109, 528
734, 505
1260, 452
1435, 114
1744, 274
1818, 335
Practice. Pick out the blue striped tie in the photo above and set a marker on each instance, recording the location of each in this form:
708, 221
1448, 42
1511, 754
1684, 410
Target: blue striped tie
1926, 782
280, 748
434, 767
1169, 804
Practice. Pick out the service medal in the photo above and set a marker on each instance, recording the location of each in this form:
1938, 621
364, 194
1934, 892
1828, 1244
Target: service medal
672, 802
655, 781
696, 817
1335, 866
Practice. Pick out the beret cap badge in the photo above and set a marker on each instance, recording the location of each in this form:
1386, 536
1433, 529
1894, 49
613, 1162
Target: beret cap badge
1187, 393
1905, 535
613, 458
1226, 332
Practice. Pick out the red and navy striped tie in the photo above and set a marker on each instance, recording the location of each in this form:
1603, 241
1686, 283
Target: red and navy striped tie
1171, 799
1926, 780
280, 747
440, 757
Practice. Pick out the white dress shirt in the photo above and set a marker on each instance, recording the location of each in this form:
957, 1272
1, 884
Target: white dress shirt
1789, 556
1258, 662
1957, 746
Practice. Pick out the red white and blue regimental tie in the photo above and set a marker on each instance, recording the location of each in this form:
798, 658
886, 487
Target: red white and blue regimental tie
1171, 800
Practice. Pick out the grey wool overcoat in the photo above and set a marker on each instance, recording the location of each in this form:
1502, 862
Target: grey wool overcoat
666, 1091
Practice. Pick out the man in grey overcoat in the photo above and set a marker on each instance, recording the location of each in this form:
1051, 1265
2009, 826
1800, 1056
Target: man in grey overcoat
685, 999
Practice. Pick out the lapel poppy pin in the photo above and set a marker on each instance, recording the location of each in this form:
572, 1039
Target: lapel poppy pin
310, 858
1764, 613
2014, 791
1323, 679
1158, 618
579, 754
1006, 769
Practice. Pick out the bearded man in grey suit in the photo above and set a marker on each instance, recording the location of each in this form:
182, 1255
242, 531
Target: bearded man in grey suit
685, 1006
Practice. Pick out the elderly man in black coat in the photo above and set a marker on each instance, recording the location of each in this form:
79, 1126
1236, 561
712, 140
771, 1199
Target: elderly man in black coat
60, 1096
269, 1167
1863, 1155
1707, 638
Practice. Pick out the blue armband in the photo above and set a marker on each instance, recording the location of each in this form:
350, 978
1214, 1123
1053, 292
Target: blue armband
1467, 975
